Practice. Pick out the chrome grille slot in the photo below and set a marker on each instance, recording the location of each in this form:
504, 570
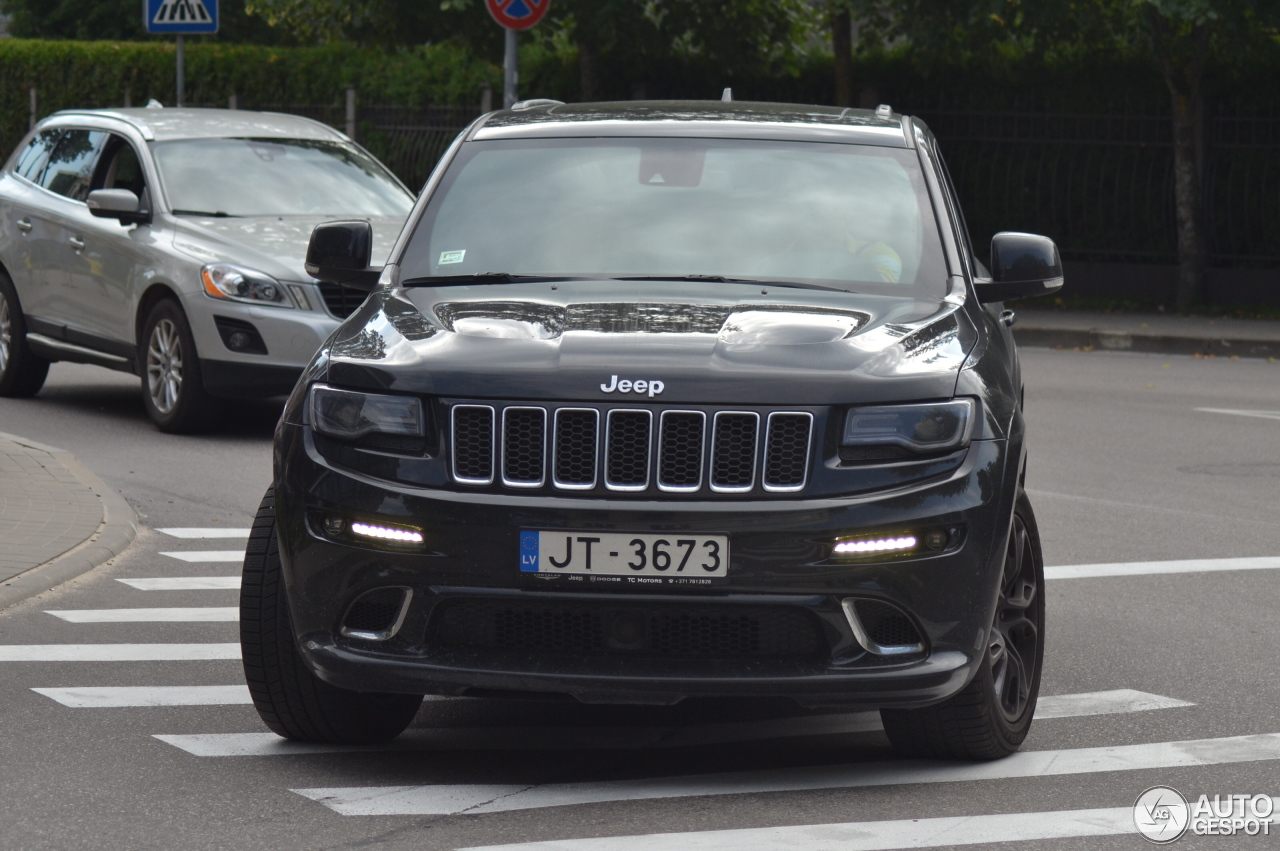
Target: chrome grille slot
524, 447
627, 450
473, 438
576, 439
786, 453
680, 443
733, 451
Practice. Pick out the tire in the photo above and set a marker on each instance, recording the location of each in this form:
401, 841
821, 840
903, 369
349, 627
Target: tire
172, 390
991, 716
21, 373
293, 701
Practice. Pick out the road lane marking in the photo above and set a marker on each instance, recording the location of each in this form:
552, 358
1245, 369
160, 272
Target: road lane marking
184, 583
117, 652
477, 799
191, 532
869, 835
208, 556
201, 614
1143, 568
103, 697
633, 737
1265, 415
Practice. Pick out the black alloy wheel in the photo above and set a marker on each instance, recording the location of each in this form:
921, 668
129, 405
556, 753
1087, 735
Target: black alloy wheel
21, 372
991, 716
292, 700
172, 390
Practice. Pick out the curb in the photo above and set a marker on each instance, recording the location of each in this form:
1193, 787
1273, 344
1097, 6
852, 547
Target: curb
118, 528
1078, 338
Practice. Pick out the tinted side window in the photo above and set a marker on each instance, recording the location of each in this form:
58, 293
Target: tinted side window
32, 160
70, 166
119, 167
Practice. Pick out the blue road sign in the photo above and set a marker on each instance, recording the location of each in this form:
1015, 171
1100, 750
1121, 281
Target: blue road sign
189, 17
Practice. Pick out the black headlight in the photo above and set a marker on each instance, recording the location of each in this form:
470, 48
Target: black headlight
350, 415
928, 428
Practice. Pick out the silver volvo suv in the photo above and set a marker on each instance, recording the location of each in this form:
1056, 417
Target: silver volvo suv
170, 243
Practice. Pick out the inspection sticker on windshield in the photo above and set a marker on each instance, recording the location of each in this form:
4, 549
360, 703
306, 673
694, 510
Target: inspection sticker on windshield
447, 257
629, 559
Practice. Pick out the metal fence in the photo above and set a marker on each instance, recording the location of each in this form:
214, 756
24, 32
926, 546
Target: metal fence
1102, 185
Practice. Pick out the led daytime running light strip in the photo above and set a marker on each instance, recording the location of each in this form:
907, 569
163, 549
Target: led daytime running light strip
879, 545
385, 533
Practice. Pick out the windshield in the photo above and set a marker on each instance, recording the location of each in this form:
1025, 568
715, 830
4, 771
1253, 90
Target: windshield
849, 216
277, 177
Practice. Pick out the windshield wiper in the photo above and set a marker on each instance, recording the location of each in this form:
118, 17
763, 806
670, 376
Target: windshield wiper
723, 279
219, 214
486, 278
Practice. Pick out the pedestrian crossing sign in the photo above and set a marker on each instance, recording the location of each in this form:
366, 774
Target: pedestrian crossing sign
180, 16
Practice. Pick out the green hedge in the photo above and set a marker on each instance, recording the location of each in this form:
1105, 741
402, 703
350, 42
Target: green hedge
70, 74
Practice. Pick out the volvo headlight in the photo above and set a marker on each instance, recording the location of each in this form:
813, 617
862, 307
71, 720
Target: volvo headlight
350, 415
928, 428
228, 281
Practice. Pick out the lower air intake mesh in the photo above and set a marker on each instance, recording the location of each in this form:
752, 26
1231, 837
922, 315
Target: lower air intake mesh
706, 631
886, 625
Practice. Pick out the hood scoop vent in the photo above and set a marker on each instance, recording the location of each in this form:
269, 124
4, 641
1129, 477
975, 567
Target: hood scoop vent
756, 325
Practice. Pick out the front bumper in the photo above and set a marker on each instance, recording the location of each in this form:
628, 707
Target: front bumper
781, 558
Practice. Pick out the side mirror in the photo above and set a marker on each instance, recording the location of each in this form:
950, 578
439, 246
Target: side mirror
119, 204
339, 253
1022, 265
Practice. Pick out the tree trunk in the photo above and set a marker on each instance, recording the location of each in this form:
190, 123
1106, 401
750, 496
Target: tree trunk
1182, 58
588, 57
842, 47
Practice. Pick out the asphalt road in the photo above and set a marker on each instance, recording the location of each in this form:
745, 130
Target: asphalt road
1124, 469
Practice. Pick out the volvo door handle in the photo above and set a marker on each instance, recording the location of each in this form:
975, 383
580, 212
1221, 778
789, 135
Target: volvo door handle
24, 225
77, 243
1008, 317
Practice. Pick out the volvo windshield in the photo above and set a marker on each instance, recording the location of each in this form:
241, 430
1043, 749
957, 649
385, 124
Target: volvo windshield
849, 217
276, 177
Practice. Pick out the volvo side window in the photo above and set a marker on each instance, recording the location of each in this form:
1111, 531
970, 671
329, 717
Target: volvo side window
70, 166
120, 168
35, 155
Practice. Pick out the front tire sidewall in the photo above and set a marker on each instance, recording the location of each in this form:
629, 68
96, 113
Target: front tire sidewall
193, 409
23, 374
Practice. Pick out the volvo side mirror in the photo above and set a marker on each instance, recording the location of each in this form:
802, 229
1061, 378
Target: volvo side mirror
119, 204
339, 253
1023, 265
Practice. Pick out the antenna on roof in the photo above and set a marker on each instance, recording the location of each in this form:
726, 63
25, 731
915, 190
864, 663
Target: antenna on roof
727, 97
884, 111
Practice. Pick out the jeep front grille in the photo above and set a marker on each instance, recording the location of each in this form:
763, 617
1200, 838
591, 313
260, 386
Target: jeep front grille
631, 450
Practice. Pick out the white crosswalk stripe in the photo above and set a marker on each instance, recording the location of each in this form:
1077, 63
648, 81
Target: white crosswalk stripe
202, 614
487, 798
208, 556
636, 736
1141, 568
184, 583
100, 697
870, 835
191, 532
117, 652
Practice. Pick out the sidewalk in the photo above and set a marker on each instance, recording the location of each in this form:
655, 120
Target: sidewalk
1147, 332
57, 519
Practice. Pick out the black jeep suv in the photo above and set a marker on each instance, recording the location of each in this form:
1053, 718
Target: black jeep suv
659, 400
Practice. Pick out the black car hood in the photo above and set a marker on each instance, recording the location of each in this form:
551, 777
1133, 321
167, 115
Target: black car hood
704, 343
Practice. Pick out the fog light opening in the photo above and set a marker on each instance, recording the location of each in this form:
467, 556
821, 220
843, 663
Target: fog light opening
334, 525
936, 539
391, 534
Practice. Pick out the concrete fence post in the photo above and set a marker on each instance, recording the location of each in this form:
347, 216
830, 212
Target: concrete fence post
233, 102
128, 95
31, 124
351, 112
486, 98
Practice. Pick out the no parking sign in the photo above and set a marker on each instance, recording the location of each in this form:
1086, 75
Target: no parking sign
517, 14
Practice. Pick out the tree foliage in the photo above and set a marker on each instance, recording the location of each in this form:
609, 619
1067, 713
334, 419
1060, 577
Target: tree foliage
121, 20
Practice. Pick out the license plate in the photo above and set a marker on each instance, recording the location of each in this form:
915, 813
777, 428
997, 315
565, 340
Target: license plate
672, 556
